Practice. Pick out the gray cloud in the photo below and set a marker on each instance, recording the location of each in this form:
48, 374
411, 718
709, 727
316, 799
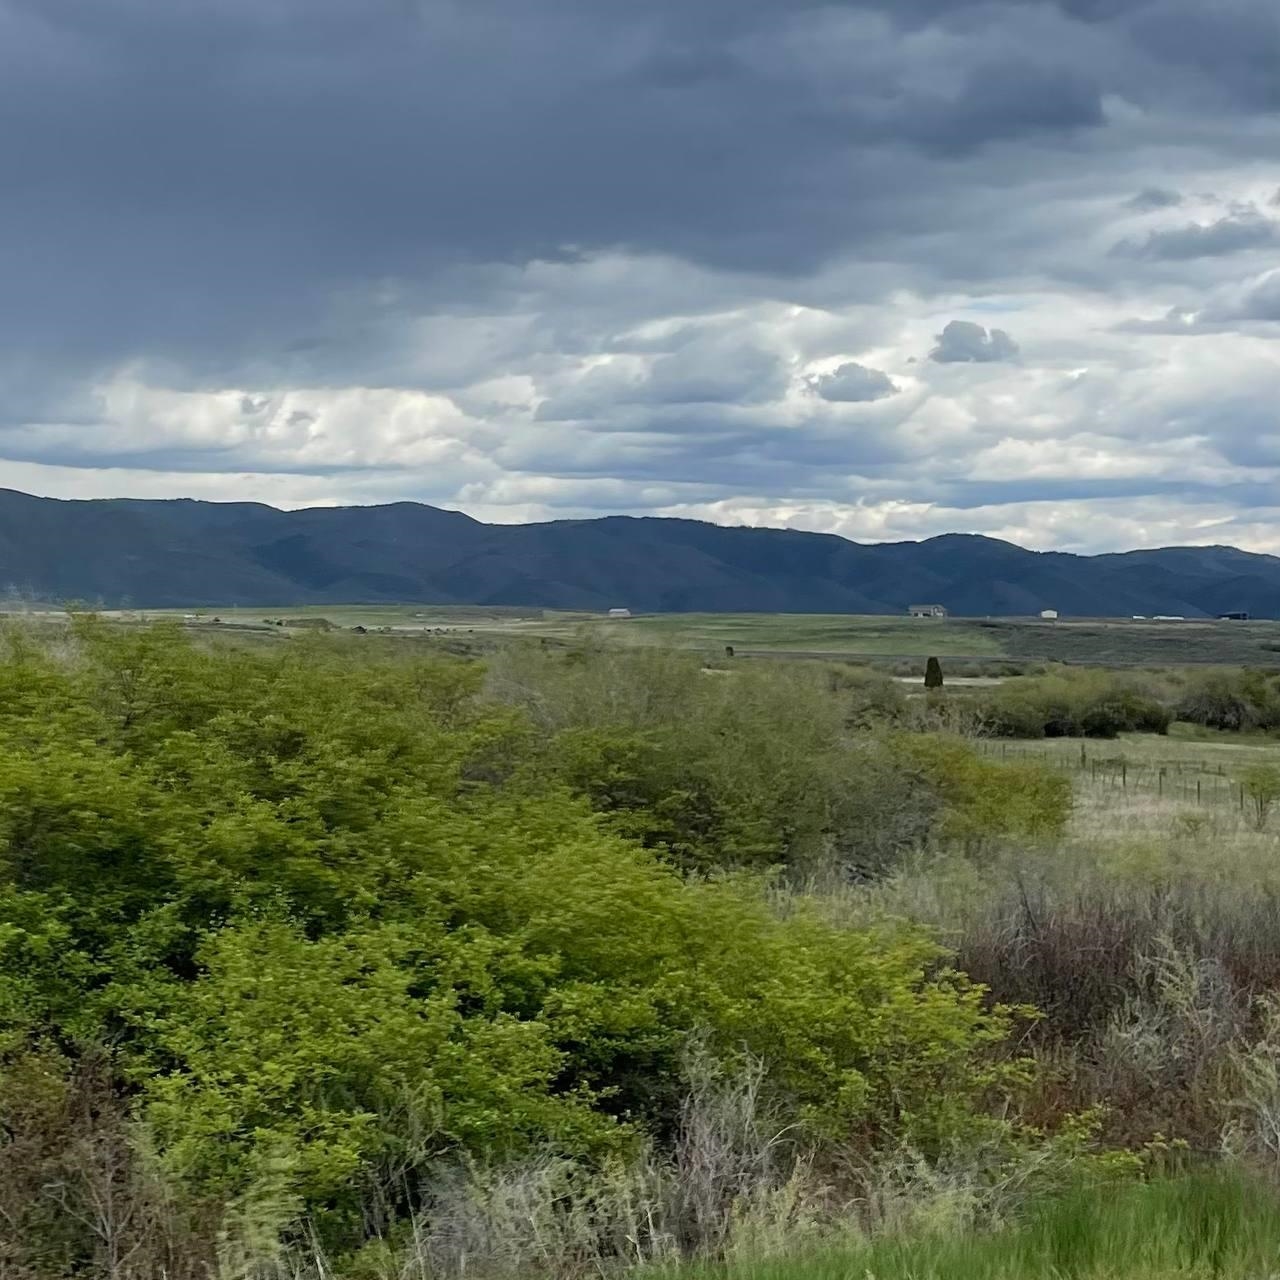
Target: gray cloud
963, 342
1234, 233
853, 383
1150, 199
1254, 302
1002, 101
1262, 302
715, 370
1258, 301
545, 254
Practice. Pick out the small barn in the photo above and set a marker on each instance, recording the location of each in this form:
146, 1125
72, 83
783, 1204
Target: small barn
927, 610
1049, 615
619, 613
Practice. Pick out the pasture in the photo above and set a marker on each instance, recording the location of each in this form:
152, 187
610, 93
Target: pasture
967, 642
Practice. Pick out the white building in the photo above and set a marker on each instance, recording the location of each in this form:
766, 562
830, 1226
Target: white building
619, 613
927, 611
1049, 615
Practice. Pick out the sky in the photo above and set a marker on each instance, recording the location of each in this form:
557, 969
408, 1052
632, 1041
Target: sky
882, 268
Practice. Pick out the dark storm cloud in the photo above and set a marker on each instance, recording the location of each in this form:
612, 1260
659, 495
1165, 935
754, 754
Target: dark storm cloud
1229, 46
607, 213
963, 342
232, 178
1001, 101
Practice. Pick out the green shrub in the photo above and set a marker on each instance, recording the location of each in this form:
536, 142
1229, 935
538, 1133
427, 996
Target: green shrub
1261, 783
1083, 705
1124, 710
1231, 700
758, 768
338, 917
983, 801
868, 698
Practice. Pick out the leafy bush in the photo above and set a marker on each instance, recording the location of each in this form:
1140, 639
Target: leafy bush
1231, 700
982, 801
868, 698
1261, 783
768, 767
1085, 705
338, 918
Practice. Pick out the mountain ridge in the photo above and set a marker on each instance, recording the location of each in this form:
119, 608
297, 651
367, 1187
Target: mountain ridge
176, 552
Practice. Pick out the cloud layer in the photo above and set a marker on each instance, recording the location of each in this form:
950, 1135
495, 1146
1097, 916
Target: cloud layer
881, 268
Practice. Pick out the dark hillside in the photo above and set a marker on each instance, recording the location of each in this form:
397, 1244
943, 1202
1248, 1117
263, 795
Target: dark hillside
183, 552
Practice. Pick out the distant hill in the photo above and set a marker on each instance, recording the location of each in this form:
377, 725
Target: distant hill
184, 553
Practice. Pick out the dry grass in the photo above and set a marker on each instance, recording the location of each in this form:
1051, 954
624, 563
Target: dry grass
1149, 938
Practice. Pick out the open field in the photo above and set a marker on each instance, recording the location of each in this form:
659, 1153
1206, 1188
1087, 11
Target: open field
1092, 642
1143, 781
783, 634
1124, 643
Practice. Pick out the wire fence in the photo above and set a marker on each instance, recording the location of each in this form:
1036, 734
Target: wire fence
1201, 782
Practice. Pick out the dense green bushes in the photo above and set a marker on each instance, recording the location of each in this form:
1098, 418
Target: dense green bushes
772, 765
1075, 703
1080, 705
1231, 700
326, 921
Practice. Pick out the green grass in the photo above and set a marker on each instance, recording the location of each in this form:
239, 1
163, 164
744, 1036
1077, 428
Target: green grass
1207, 1226
1188, 766
781, 634
1118, 643
818, 634
1126, 643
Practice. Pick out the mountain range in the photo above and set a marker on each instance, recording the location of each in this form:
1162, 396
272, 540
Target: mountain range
182, 552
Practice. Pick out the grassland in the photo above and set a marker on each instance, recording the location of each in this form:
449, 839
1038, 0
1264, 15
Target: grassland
782, 634
965, 641
1188, 767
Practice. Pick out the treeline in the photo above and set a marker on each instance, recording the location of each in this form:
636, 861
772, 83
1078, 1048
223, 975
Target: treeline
293, 943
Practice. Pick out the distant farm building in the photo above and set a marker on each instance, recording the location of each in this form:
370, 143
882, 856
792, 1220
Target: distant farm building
1168, 617
1049, 615
1242, 616
928, 610
619, 613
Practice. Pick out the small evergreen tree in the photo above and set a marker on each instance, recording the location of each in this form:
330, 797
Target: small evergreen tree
933, 674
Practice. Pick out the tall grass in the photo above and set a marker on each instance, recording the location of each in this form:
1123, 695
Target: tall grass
1207, 1226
